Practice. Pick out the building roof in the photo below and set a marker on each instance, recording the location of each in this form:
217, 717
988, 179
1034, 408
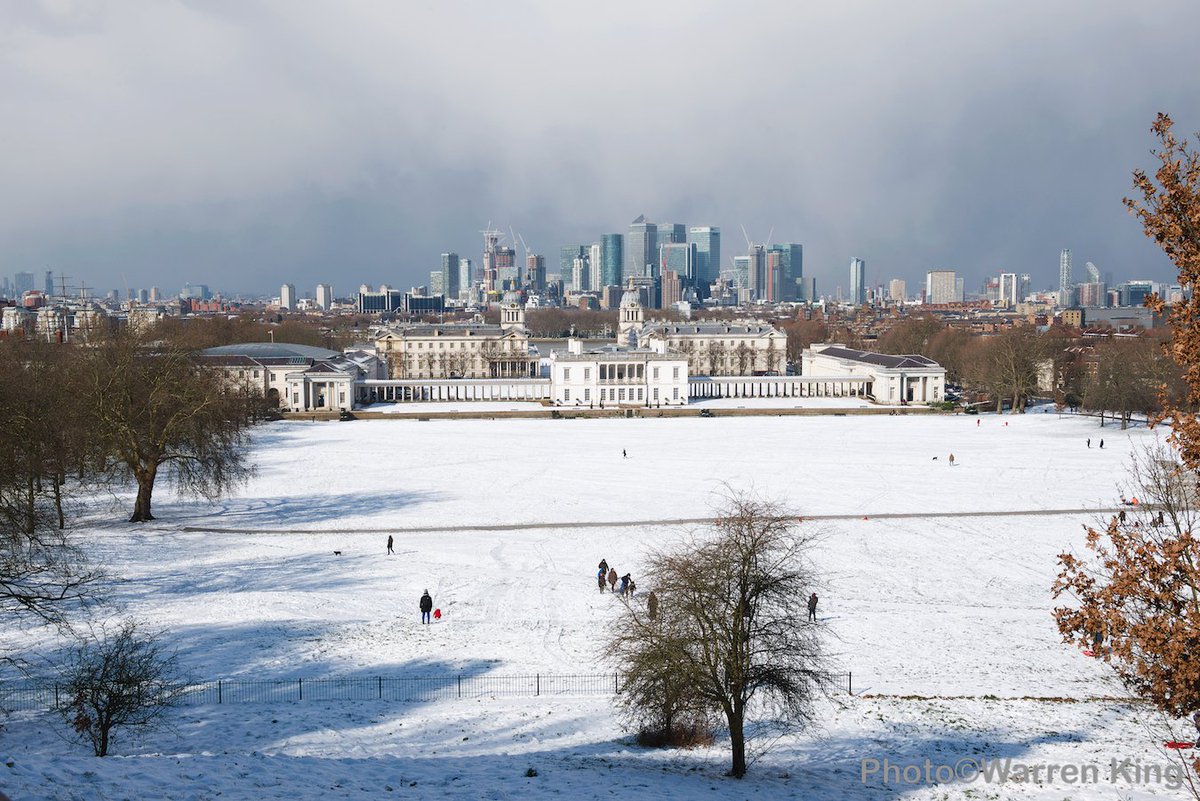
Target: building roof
895, 361
271, 350
445, 329
712, 328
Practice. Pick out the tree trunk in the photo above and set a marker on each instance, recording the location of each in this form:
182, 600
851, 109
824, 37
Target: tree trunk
58, 505
737, 744
141, 507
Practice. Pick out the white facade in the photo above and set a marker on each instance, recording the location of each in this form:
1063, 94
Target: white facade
615, 376
941, 286
461, 350
892, 379
287, 296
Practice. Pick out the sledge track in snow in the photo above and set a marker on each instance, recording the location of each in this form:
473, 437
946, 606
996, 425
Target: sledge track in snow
672, 521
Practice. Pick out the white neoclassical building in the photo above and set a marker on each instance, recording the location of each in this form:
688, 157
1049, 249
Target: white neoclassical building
890, 378
298, 378
613, 376
461, 350
712, 347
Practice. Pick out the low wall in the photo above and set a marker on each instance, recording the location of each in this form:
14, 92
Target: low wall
570, 414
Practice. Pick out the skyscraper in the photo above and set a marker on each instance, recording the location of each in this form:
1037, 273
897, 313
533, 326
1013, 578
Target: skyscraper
48, 283
756, 272
897, 290
567, 255
466, 279
707, 240
941, 286
324, 296
23, 282
791, 262
671, 233
641, 246
535, 272
595, 266
287, 296
1009, 290
858, 282
679, 257
612, 259
451, 276
1065, 283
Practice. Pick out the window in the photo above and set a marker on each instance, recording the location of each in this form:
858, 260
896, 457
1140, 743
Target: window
256, 374
655, 373
587, 395
639, 393
566, 394
622, 393
566, 374
656, 393
675, 394
296, 398
675, 373
587, 373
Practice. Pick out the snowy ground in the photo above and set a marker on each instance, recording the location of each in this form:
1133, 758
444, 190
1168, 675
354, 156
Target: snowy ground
916, 606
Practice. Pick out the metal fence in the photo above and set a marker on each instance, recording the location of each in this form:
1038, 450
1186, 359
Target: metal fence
34, 696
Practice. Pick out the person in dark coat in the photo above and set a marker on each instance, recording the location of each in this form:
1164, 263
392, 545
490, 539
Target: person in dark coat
612, 579
625, 579
652, 605
601, 580
390, 544
426, 606
604, 566
812, 606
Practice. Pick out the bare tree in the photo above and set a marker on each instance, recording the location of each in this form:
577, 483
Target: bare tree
730, 638
1138, 586
43, 576
155, 407
120, 677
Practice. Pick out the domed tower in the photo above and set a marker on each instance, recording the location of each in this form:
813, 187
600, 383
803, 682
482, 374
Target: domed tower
512, 312
632, 317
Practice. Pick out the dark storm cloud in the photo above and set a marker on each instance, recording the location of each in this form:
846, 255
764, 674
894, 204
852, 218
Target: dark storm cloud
243, 144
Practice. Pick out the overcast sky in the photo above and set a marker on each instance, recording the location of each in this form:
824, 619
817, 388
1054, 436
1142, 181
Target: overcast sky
244, 143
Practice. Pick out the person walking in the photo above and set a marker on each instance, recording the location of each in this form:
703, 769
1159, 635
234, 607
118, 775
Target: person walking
1089, 442
1101, 444
977, 421
426, 606
952, 460
604, 566
390, 544
624, 455
612, 579
625, 579
652, 605
812, 607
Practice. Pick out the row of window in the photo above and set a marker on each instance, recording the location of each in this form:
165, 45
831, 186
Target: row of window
619, 395
609, 372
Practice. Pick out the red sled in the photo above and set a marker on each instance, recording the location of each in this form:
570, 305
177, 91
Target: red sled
437, 614
1178, 745
1089, 653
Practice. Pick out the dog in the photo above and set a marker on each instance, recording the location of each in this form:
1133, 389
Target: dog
337, 553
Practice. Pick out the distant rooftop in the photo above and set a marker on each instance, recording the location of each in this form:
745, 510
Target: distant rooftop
271, 350
911, 361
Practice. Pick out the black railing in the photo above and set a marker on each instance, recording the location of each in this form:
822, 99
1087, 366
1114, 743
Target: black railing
34, 696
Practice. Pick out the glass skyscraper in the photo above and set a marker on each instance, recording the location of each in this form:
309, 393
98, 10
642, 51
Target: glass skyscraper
612, 259
707, 240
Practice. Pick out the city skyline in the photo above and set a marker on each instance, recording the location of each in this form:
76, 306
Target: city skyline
248, 146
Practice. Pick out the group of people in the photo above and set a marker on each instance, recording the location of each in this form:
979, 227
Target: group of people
608, 575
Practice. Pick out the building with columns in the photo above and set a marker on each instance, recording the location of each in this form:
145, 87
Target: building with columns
889, 378
297, 378
461, 350
613, 376
717, 347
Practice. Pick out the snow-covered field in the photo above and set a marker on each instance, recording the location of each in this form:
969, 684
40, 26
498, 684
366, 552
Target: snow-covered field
955, 609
